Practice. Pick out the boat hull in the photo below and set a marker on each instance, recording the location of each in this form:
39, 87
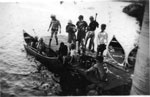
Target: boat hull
51, 62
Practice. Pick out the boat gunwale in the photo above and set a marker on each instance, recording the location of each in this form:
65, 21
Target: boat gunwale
109, 53
35, 51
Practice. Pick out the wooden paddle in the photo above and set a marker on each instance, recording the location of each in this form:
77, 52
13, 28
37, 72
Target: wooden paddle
96, 16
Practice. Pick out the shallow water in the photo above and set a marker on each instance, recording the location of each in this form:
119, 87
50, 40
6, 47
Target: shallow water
17, 70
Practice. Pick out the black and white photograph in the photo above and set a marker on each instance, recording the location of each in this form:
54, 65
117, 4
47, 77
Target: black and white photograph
74, 48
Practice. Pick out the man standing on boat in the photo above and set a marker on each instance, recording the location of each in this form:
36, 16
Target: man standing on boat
81, 27
91, 32
102, 40
55, 26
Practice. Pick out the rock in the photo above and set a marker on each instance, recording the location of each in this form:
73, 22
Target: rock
92, 93
135, 10
50, 94
4, 84
91, 87
2, 94
45, 86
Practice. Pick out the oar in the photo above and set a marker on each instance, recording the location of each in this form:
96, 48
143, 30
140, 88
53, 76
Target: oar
96, 16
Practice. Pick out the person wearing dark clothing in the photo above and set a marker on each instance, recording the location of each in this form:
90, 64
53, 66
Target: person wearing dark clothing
41, 46
63, 51
93, 24
71, 29
91, 32
35, 42
81, 27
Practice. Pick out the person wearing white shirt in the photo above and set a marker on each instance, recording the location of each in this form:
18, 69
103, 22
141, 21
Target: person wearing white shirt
73, 53
102, 40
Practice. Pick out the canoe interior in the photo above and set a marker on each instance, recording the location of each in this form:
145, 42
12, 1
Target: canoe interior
50, 60
28, 38
52, 63
116, 51
132, 57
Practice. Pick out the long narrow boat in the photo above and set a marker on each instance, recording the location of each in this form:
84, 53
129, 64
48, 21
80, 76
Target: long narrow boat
116, 51
132, 57
52, 63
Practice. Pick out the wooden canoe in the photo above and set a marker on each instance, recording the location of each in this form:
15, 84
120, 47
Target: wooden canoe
52, 63
132, 57
116, 51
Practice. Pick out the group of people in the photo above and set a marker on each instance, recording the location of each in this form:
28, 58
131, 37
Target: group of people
84, 33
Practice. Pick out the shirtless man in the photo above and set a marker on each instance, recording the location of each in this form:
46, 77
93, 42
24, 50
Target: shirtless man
54, 25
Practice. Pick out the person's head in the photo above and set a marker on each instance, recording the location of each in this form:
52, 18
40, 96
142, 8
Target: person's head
41, 40
99, 59
103, 27
62, 44
70, 22
91, 18
80, 17
36, 38
73, 46
53, 17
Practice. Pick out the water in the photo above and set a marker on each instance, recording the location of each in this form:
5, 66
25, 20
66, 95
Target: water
18, 71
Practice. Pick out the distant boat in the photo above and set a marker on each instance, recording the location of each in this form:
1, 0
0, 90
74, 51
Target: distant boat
52, 63
116, 51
